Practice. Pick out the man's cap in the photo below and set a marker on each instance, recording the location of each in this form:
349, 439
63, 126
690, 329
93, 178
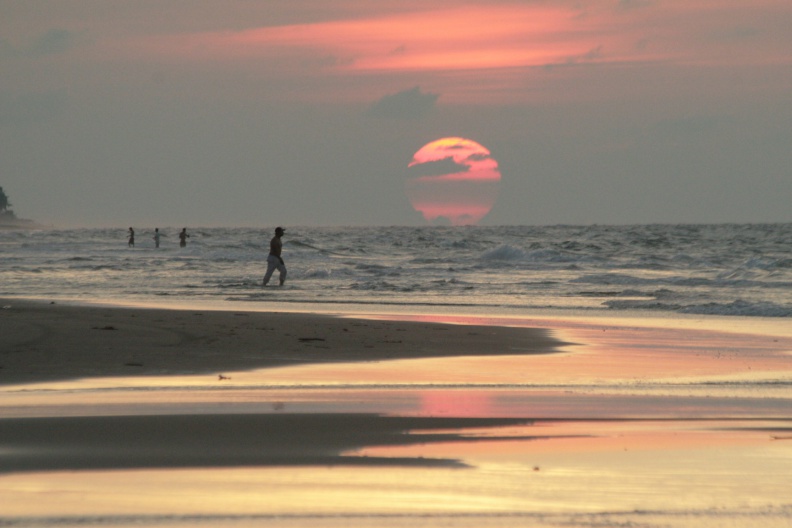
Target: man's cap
277, 229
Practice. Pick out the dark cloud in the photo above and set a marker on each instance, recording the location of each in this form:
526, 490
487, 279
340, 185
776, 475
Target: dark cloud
53, 41
399, 50
437, 168
50, 43
590, 56
409, 104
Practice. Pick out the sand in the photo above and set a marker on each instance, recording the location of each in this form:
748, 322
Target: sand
114, 416
43, 342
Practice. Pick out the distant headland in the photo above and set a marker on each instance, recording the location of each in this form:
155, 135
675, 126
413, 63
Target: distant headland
9, 220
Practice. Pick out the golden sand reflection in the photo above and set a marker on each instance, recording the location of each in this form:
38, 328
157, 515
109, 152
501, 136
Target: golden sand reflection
624, 471
628, 349
626, 464
247, 491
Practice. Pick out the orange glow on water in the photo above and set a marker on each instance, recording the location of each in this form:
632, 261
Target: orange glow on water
457, 181
456, 403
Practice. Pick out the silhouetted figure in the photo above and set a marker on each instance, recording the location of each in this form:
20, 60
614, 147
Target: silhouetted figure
183, 236
274, 260
131, 237
156, 237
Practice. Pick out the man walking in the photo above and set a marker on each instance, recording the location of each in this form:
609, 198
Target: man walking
274, 260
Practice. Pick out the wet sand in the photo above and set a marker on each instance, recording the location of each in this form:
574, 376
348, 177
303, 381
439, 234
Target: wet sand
45, 342
146, 417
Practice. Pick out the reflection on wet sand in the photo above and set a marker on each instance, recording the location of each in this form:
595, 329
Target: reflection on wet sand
633, 424
229, 440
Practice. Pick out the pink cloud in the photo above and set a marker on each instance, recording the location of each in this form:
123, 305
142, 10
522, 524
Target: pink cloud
453, 38
474, 53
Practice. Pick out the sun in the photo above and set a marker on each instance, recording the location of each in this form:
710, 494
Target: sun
453, 181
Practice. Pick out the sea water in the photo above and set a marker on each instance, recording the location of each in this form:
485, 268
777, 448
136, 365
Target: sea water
726, 269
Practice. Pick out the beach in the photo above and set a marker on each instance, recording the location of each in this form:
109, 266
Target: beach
45, 342
122, 415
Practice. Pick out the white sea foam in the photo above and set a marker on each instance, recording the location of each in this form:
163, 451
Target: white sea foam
504, 252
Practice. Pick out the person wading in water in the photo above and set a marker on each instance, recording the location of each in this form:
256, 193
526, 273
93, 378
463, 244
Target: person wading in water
274, 260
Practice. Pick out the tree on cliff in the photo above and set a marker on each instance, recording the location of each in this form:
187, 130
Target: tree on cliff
4, 203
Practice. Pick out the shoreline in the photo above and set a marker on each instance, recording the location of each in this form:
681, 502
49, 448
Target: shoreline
444, 313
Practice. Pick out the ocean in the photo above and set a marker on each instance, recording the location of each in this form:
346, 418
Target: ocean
724, 269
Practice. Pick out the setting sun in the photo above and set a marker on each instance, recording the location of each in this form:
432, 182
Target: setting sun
453, 180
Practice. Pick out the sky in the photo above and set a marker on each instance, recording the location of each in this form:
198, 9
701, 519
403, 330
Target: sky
310, 112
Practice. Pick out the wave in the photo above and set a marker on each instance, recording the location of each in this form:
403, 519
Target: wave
744, 308
317, 274
739, 307
504, 252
